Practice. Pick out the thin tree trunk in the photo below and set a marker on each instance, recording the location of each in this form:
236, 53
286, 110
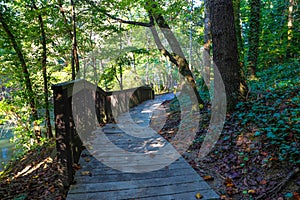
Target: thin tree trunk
28, 85
254, 37
177, 57
74, 52
191, 37
290, 29
44, 67
120, 65
225, 51
207, 43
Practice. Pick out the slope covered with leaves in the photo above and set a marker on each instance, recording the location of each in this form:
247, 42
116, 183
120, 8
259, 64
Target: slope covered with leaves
33, 176
257, 155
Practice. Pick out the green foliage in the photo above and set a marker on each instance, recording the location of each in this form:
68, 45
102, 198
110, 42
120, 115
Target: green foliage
274, 109
278, 42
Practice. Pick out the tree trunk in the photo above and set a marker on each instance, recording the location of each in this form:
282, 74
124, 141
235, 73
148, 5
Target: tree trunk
28, 85
225, 53
177, 57
44, 68
290, 29
253, 37
75, 59
207, 43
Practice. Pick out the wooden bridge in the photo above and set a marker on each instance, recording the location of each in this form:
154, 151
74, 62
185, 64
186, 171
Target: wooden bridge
119, 165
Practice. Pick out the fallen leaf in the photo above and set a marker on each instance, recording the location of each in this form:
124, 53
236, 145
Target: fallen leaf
263, 182
87, 159
208, 178
228, 182
85, 173
273, 158
76, 166
90, 147
223, 197
199, 196
52, 189
296, 195
251, 192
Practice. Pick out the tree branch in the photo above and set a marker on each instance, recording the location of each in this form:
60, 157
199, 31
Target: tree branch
103, 11
144, 24
160, 46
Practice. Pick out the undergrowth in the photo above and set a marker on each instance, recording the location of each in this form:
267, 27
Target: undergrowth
274, 109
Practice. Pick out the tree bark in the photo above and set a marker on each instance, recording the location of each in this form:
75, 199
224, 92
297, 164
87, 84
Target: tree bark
44, 68
225, 53
253, 37
28, 85
207, 44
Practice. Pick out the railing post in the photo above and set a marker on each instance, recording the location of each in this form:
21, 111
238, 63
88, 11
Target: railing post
62, 113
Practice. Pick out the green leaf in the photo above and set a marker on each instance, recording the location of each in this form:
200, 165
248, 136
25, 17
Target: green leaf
257, 133
271, 135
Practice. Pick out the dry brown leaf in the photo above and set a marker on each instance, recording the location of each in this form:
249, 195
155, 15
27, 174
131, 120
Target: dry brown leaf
208, 178
85, 173
263, 182
76, 166
52, 189
296, 196
251, 192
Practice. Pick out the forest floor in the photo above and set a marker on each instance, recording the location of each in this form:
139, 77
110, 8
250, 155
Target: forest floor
239, 167
258, 153
34, 176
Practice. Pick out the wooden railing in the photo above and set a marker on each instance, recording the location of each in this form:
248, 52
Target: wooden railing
108, 105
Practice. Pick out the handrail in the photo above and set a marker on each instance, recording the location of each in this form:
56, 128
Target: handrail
108, 105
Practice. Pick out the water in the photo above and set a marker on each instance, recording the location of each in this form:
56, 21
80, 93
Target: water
6, 147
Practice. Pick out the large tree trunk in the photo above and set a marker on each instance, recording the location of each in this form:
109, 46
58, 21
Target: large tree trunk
225, 53
44, 68
28, 85
253, 37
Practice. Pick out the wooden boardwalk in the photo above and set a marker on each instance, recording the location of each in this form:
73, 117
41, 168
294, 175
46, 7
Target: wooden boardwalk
117, 165
97, 181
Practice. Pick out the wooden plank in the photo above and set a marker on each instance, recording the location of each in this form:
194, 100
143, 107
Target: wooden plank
137, 193
206, 195
103, 176
142, 183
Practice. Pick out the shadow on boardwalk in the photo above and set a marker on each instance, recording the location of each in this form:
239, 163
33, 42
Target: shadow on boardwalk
123, 161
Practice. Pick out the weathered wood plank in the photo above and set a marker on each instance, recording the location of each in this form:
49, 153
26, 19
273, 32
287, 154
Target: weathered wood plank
112, 177
142, 192
143, 183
